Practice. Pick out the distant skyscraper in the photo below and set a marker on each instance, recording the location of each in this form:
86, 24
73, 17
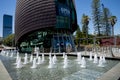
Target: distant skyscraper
7, 25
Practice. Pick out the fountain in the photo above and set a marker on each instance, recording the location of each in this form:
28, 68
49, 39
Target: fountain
25, 59
103, 58
50, 55
39, 60
95, 59
63, 54
3, 52
67, 70
37, 54
19, 64
43, 57
54, 59
17, 54
11, 54
90, 56
31, 58
79, 58
70, 69
17, 58
65, 62
7, 53
101, 62
36, 51
50, 63
34, 63
83, 63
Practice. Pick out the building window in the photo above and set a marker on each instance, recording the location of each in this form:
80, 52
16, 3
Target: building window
63, 22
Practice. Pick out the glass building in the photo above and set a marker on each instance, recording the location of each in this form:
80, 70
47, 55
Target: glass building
47, 24
7, 25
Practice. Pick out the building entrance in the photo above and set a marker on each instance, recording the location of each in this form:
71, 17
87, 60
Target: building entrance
60, 41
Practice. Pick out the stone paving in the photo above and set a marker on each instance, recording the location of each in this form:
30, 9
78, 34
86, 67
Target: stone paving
4, 75
113, 74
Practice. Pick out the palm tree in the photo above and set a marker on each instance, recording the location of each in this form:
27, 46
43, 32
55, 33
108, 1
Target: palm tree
78, 34
85, 22
113, 20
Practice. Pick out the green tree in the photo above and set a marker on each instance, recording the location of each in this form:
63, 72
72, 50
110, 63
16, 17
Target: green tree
0, 40
78, 35
96, 16
113, 20
85, 22
9, 40
106, 29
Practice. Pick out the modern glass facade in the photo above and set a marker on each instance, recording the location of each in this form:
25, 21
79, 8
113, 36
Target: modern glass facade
7, 25
48, 25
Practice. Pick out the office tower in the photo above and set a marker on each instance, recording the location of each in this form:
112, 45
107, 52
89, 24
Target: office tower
7, 25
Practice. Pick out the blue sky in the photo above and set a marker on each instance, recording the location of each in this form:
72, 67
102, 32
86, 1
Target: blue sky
82, 6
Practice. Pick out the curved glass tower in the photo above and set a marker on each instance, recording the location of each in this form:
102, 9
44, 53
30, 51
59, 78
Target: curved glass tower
47, 24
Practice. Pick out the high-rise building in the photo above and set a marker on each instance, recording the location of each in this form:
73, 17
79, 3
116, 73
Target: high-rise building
45, 23
7, 25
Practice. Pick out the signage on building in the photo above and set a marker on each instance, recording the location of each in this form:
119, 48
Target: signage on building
63, 10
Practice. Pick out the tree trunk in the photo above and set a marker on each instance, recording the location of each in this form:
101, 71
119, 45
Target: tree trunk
112, 31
